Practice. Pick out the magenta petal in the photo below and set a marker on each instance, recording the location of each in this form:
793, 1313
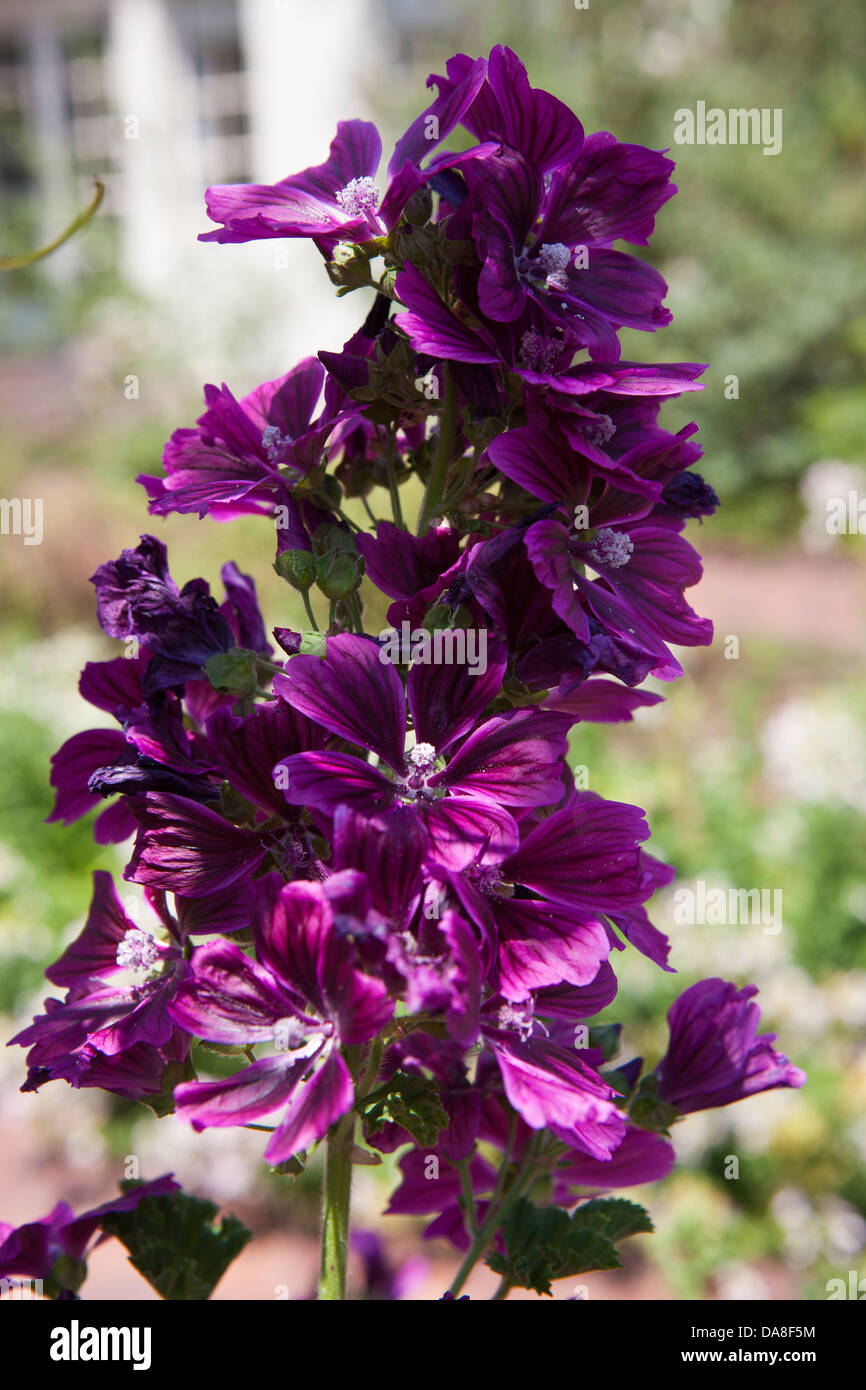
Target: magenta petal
94, 950
601, 701
188, 849
463, 831
553, 1090
314, 1107
641, 1157
547, 547
352, 692
248, 1095
73, 764
432, 328
585, 856
511, 760
328, 780
229, 998
541, 945
447, 700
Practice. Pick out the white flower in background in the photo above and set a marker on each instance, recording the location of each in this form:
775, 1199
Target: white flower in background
815, 751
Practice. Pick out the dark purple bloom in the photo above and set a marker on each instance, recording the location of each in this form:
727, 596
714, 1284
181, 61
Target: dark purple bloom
511, 760
245, 456
31, 1251
306, 996
338, 200
716, 1055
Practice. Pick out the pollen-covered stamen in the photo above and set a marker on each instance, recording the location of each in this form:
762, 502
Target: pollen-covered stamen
554, 257
491, 883
359, 197
599, 430
516, 1018
137, 950
275, 443
422, 756
288, 1034
538, 352
612, 548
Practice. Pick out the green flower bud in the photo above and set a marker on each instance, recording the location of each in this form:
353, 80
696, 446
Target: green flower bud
297, 567
338, 573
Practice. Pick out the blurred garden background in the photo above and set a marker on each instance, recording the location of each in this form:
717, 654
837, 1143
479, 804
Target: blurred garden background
753, 773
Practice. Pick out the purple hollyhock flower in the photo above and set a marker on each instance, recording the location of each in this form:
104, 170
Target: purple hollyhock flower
245, 456
338, 200
120, 980
511, 760
715, 1055
31, 1251
638, 594
537, 243
506, 108
183, 628
540, 354
305, 994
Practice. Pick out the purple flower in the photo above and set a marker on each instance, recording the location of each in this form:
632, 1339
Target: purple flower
119, 980
305, 995
338, 200
510, 760
715, 1055
32, 1251
245, 456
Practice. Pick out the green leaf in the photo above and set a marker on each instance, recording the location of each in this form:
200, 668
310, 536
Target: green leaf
410, 1101
614, 1218
542, 1244
545, 1243
172, 1240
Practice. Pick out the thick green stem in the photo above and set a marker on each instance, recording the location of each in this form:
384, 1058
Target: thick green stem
442, 458
336, 1194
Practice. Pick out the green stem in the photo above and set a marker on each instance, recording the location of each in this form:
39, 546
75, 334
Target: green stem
470, 1215
492, 1222
442, 457
305, 594
336, 1194
393, 487
503, 1290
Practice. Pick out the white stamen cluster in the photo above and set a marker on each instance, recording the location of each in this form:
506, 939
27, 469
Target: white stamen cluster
554, 257
613, 548
423, 755
274, 442
288, 1034
516, 1018
359, 196
137, 950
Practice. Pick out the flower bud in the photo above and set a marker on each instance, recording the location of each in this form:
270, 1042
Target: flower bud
297, 567
338, 574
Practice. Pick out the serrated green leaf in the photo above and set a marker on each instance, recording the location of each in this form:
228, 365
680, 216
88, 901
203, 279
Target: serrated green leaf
410, 1101
544, 1243
174, 1244
613, 1217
